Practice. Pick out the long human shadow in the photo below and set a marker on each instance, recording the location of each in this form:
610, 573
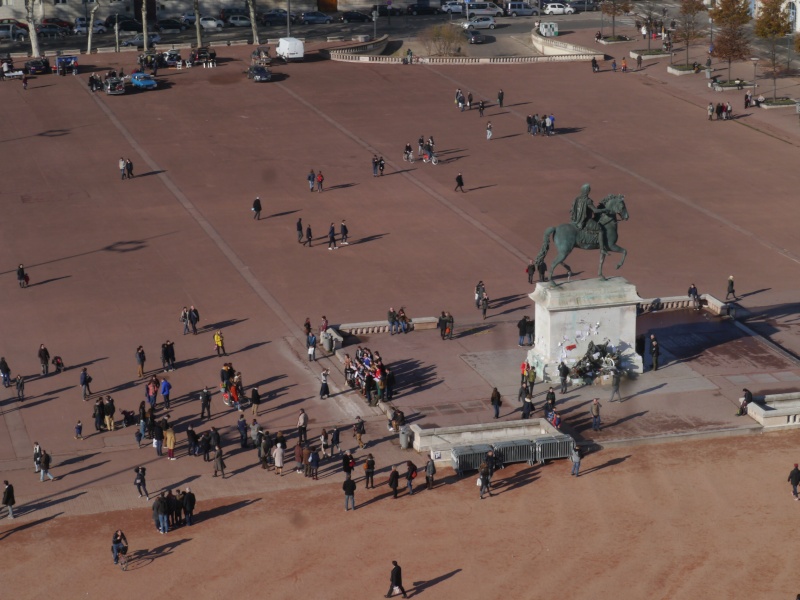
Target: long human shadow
25, 526
220, 325
282, 214
646, 391
87, 363
473, 330
52, 279
499, 302
510, 135
86, 468
138, 559
226, 509
174, 486
36, 506
249, 347
370, 238
342, 186
422, 585
609, 463
481, 187
149, 173
76, 459
401, 171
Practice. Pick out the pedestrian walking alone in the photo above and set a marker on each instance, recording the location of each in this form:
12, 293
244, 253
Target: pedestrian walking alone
45, 467
44, 359
430, 472
615, 379
219, 343
500, 97
496, 403
343, 233
731, 290
396, 581
489, 130
459, 184
141, 483
257, 209
8, 498
219, 463
300, 231
594, 410
794, 479
309, 236
22, 277
332, 237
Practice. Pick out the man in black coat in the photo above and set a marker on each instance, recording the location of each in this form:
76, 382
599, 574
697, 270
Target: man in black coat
9, 501
794, 479
189, 501
522, 327
349, 487
194, 319
563, 373
394, 481
205, 403
257, 209
396, 580
459, 184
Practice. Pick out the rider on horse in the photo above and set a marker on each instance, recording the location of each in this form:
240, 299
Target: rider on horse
584, 215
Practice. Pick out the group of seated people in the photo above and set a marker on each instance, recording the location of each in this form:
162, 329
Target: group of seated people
367, 373
397, 419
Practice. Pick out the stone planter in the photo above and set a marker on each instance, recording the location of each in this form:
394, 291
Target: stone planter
609, 42
673, 71
775, 106
634, 55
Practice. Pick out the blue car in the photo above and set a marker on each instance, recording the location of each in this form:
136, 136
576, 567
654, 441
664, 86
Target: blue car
144, 81
315, 17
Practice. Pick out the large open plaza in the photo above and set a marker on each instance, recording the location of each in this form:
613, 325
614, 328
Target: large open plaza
704, 513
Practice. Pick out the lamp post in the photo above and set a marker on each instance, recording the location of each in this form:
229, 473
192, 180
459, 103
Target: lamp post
755, 64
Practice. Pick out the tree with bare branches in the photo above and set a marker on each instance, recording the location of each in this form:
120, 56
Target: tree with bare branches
90, 28
732, 42
772, 24
197, 28
614, 8
689, 30
145, 37
251, 5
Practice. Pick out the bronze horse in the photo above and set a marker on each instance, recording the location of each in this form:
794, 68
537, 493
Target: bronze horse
600, 233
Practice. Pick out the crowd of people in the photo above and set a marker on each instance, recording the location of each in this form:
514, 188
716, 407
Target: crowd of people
367, 374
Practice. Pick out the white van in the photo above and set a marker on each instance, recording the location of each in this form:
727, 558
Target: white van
520, 9
483, 9
290, 49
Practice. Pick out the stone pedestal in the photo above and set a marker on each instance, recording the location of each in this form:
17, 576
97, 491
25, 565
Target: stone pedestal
572, 314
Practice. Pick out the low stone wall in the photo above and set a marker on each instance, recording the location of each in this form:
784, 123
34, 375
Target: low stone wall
345, 53
444, 439
776, 410
634, 55
551, 48
419, 323
710, 303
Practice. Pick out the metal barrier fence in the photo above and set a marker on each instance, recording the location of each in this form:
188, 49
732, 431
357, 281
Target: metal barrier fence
515, 451
468, 458
550, 447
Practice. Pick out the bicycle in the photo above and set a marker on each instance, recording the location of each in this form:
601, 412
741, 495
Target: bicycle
408, 157
427, 158
122, 557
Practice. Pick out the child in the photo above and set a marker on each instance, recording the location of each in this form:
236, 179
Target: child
79, 430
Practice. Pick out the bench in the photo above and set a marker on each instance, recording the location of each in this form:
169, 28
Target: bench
775, 410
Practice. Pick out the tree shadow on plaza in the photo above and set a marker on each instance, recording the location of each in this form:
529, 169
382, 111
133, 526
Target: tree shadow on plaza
423, 584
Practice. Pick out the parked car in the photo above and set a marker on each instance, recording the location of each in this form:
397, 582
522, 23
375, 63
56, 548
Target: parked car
37, 66
12, 32
226, 13
557, 8
211, 23
114, 86
521, 9
188, 18
455, 8
353, 16
239, 21
282, 14
45, 30
259, 73
419, 9
479, 23
144, 81
172, 57
58, 23
20, 24
165, 25
314, 17
581, 6
272, 18
81, 27
201, 55
138, 40
385, 11
475, 37
130, 26
112, 20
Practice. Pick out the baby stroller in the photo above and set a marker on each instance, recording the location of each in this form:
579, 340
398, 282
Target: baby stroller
58, 364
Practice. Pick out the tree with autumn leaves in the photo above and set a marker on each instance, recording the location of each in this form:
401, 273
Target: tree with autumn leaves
689, 30
731, 42
614, 8
772, 24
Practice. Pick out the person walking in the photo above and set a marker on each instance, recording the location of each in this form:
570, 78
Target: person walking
129, 168
219, 343
359, 430
85, 381
122, 169
205, 403
594, 410
615, 379
300, 230
219, 463
189, 502
311, 347
45, 466
141, 483
394, 481
257, 208
563, 373
343, 234
20, 385
5, 372
794, 480
575, 458
489, 130
311, 177
37, 457
500, 97
335, 441
309, 236
140, 360
459, 184
655, 351
374, 165
411, 474
496, 402
481, 108
731, 290
430, 472
8, 498
320, 180
44, 359
369, 472
349, 487
484, 305
381, 165
638, 62
396, 581
194, 319
332, 237
313, 463
485, 479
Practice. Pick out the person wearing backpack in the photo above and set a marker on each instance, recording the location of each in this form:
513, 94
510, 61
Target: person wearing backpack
359, 430
430, 471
